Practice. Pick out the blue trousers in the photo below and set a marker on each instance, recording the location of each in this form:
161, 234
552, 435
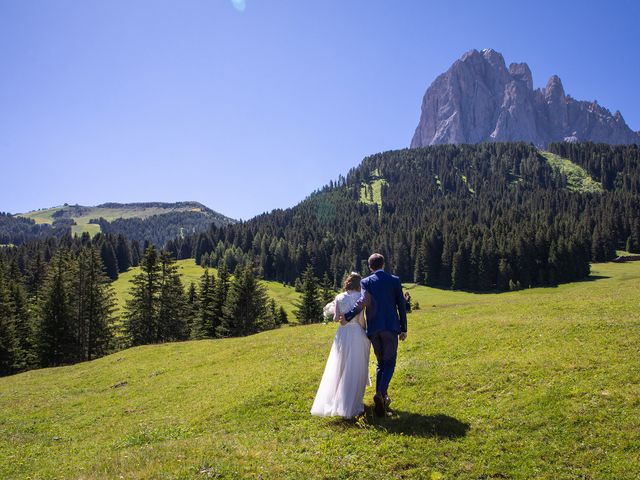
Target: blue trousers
385, 347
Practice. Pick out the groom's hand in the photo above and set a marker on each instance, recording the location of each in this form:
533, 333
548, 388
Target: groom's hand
342, 320
403, 336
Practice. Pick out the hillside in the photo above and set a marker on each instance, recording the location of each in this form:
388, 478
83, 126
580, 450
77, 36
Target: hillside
153, 221
493, 216
541, 383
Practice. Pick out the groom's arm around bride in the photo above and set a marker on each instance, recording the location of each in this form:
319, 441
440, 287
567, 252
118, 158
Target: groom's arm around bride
383, 300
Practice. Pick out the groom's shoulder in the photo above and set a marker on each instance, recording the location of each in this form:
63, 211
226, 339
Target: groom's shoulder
394, 278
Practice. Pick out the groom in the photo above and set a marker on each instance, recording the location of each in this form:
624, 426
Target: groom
386, 322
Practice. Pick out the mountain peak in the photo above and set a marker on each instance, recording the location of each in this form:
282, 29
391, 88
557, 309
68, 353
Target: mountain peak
493, 57
554, 87
522, 72
478, 99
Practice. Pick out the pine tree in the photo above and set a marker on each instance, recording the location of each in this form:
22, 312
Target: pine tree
135, 253
402, 258
328, 293
505, 274
8, 341
191, 309
171, 301
309, 308
35, 276
203, 246
269, 318
245, 304
123, 253
220, 299
459, 270
450, 247
95, 304
56, 340
141, 311
433, 263
26, 356
206, 308
109, 259
420, 266
282, 316
488, 267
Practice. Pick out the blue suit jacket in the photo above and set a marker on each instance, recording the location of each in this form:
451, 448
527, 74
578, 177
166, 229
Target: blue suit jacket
385, 304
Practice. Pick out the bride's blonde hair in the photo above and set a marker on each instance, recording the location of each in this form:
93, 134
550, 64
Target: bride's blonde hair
352, 282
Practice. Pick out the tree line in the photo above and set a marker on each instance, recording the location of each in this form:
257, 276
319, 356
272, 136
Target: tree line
19, 230
158, 229
62, 315
57, 304
220, 306
485, 217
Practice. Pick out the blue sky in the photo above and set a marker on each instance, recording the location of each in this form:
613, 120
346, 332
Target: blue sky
250, 105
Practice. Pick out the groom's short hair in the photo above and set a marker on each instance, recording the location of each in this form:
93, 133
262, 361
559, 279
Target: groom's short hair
376, 262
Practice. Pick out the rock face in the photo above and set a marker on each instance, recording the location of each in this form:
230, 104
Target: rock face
479, 99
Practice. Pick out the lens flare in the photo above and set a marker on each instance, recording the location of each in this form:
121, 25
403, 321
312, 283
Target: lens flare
239, 5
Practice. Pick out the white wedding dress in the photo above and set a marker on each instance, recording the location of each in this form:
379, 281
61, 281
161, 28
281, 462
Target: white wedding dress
341, 391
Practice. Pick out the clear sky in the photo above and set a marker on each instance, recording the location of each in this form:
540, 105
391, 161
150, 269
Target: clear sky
250, 105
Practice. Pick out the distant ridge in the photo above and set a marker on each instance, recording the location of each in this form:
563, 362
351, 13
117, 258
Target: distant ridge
167, 205
116, 210
156, 222
479, 99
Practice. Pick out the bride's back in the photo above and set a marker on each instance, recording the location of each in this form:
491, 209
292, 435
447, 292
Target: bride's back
345, 301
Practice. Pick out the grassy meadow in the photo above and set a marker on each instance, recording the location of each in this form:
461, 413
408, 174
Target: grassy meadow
542, 383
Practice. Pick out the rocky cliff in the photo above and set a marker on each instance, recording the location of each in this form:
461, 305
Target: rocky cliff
479, 99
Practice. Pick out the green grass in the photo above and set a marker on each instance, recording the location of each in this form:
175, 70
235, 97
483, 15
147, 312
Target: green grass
191, 272
42, 216
578, 179
371, 192
284, 295
91, 228
464, 179
541, 383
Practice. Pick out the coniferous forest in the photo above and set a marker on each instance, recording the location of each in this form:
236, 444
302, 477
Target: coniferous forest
475, 217
57, 303
489, 217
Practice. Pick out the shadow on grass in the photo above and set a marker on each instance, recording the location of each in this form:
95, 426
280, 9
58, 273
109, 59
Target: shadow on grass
593, 278
408, 423
590, 278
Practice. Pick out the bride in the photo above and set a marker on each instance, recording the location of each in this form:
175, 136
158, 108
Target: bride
346, 375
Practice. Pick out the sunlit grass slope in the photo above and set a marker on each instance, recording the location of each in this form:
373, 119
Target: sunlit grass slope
543, 383
578, 179
191, 272
371, 193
